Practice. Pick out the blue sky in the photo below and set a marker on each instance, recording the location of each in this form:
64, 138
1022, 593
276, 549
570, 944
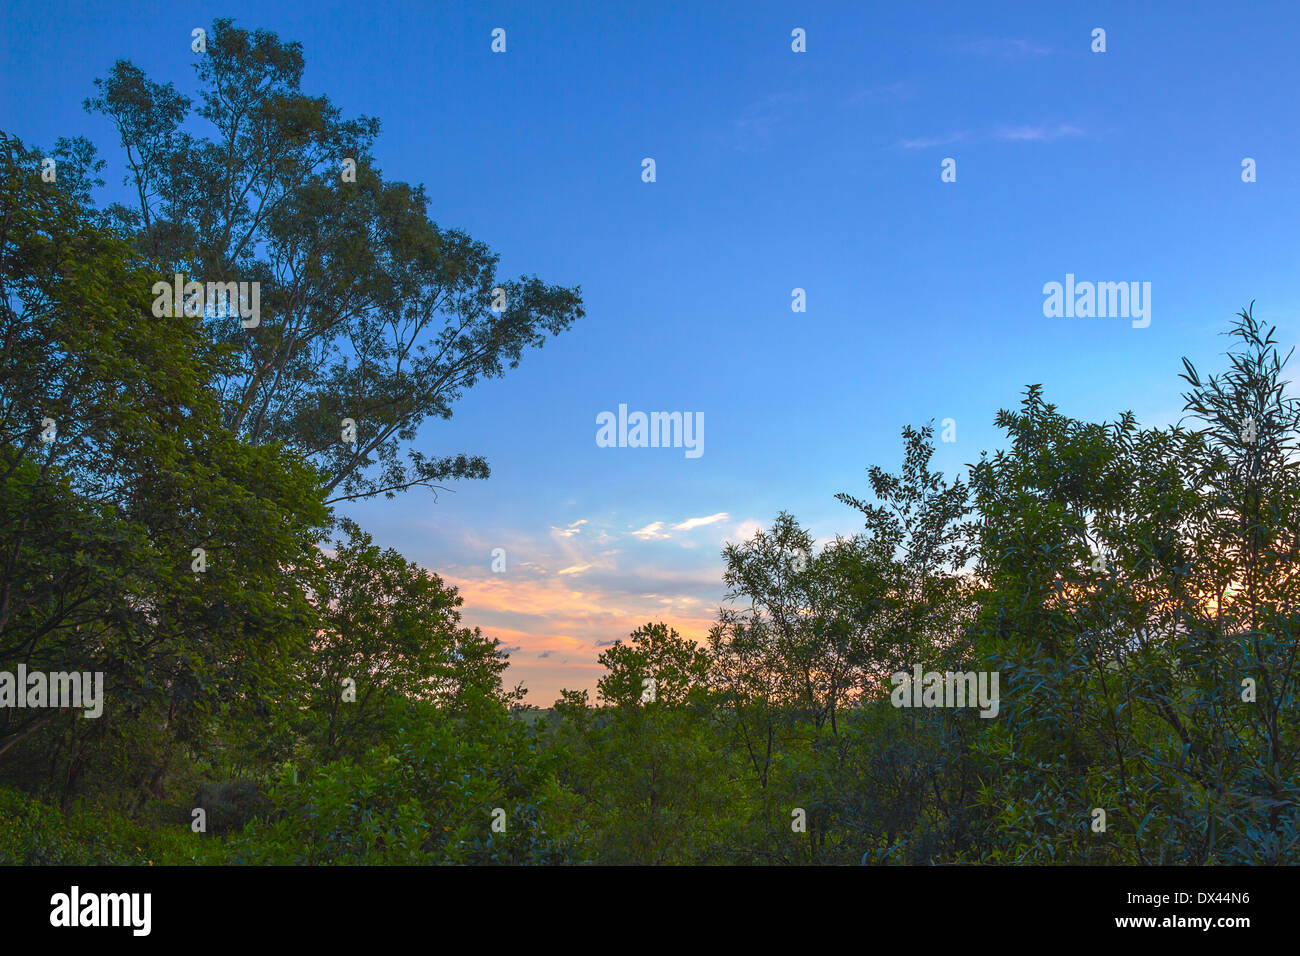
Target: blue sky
775, 170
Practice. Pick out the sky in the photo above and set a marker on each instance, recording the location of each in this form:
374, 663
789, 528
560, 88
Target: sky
775, 170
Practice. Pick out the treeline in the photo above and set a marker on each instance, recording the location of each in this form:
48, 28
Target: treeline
1134, 589
280, 689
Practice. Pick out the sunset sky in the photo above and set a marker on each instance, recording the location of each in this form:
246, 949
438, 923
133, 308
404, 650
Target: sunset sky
775, 170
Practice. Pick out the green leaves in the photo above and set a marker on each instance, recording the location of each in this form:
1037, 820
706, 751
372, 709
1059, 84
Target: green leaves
393, 628
372, 311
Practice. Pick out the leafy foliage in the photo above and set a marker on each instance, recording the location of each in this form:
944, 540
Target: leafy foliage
166, 484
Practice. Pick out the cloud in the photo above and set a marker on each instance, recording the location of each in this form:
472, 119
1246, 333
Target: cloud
654, 531
885, 91
571, 530
651, 532
1009, 48
575, 596
692, 523
1040, 133
552, 619
747, 529
926, 142
754, 127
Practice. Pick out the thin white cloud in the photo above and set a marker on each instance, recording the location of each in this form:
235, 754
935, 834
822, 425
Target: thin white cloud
575, 569
691, 523
753, 129
884, 91
1039, 133
1010, 48
571, 530
651, 532
927, 142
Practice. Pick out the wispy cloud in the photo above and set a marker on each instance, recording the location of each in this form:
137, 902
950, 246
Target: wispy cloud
563, 597
550, 619
754, 127
1009, 48
1030, 133
928, 142
655, 530
1039, 133
691, 523
571, 530
882, 91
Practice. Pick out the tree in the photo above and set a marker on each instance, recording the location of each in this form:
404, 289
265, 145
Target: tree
468, 788
139, 537
910, 582
655, 652
1244, 629
1140, 583
648, 783
371, 311
392, 629
796, 646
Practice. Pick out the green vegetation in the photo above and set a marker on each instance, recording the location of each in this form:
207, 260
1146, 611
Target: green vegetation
318, 697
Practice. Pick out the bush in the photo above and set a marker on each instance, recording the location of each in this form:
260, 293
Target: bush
33, 833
